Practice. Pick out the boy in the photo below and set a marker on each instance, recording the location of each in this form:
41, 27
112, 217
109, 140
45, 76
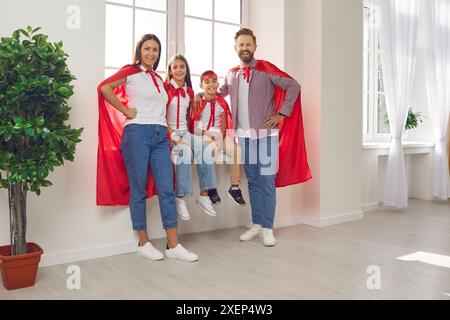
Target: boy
211, 122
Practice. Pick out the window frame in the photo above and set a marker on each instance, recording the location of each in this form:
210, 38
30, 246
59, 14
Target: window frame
176, 26
181, 31
372, 73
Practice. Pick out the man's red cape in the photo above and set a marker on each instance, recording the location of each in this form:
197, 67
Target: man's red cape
223, 103
293, 161
112, 180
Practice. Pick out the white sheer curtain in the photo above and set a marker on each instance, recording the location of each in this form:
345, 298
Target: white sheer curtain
436, 14
398, 37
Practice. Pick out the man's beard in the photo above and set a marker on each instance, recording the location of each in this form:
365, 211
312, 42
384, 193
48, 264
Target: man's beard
246, 59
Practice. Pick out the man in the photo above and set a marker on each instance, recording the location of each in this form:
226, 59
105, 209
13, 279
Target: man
266, 117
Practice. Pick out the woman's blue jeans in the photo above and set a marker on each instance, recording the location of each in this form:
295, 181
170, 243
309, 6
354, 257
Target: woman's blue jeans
146, 147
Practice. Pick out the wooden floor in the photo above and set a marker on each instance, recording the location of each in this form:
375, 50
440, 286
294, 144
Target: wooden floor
308, 263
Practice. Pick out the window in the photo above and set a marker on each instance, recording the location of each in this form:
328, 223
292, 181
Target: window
210, 26
126, 22
374, 108
202, 30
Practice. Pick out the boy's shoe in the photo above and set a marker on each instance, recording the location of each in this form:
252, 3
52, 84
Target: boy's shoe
182, 210
206, 205
150, 252
254, 231
236, 196
268, 238
214, 196
180, 253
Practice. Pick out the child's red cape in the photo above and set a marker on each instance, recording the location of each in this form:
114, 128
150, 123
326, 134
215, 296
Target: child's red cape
112, 180
223, 103
293, 161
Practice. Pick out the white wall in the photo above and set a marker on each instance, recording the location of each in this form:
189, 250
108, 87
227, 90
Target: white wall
303, 59
266, 19
418, 162
341, 155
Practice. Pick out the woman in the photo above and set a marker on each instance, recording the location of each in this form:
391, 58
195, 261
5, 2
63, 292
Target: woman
179, 88
137, 92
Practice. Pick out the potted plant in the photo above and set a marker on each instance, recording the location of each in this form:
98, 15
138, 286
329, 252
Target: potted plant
412, 121
34, 137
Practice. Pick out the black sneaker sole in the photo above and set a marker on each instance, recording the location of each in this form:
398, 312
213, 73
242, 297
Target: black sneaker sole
231, 197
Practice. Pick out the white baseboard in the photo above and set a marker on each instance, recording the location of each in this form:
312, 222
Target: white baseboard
368, 207
288, 222
129, 247
87, 254
333, 220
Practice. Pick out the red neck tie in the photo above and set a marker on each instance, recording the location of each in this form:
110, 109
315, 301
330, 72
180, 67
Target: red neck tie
179, 92
246, 74
152, 73
212, 117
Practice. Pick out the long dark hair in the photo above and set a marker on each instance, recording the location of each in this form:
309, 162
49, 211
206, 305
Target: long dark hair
137, 54
187, 78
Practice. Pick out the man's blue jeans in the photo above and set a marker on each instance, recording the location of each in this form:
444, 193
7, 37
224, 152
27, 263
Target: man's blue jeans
260, 157
182, 156
144, 147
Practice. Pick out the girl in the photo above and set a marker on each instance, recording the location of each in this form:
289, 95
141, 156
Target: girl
179, 87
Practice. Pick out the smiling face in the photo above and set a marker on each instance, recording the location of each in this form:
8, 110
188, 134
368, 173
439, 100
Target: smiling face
245, 48
178, 71
149, 53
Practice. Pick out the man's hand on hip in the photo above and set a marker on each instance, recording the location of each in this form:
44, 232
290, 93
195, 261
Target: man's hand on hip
273, 121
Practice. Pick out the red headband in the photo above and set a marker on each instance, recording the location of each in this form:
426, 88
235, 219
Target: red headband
208, 75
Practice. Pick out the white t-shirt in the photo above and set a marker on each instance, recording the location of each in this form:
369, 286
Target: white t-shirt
243, 125
206, 115
144, 96
172, 109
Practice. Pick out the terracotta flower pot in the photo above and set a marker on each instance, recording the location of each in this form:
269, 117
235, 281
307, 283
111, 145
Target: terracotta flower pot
20, 271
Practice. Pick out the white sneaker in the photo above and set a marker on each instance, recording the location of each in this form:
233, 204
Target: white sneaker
180, 253
268, 238
150, 252
251, 233
207, 205
182, 210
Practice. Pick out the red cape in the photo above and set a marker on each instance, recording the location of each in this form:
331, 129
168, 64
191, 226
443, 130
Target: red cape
293, 161
112, 180
223, 103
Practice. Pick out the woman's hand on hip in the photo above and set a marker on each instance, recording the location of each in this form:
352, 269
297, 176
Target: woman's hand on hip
130, 113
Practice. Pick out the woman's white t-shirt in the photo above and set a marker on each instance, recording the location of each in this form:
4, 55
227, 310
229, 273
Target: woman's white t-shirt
144, 96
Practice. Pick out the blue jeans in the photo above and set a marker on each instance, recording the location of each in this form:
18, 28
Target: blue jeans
260, 159
183, 164
144, 147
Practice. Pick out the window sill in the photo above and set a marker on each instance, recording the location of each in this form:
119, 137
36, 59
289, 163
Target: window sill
406, 144
409, 147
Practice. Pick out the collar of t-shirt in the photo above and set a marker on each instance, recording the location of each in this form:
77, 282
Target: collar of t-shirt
144, 68
176, 86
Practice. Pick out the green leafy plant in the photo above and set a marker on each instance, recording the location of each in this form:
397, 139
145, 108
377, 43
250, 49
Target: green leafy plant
412, 121
35, 86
